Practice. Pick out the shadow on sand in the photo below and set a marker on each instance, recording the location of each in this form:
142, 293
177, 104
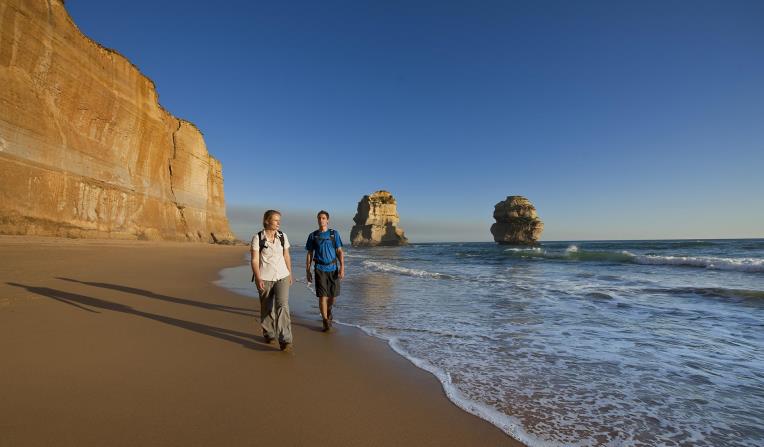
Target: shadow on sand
81, 301
172, 299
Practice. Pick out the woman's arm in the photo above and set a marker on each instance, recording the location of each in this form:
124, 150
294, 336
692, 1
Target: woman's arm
256, 269
288, 260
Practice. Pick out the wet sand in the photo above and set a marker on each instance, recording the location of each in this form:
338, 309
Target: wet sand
130, 343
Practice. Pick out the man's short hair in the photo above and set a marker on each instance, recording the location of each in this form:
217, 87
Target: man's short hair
318, 216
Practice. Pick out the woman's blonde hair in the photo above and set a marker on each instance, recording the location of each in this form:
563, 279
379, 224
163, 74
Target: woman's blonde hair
267, 216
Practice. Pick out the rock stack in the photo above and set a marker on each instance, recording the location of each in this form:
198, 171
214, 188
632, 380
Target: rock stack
516, 222
376, 222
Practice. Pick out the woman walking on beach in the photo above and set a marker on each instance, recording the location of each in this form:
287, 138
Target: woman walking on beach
272, 273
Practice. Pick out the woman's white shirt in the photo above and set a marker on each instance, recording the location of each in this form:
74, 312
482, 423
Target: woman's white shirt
272, 263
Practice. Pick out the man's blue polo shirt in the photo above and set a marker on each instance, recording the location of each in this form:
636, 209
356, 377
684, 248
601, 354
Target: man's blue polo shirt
323, 249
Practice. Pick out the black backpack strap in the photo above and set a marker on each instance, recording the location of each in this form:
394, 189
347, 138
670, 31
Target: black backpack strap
264, 240
334, 243
261, 240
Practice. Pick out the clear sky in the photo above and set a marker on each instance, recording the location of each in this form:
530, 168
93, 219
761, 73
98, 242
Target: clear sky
618, 120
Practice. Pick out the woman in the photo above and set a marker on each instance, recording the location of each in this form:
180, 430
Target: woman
272, 269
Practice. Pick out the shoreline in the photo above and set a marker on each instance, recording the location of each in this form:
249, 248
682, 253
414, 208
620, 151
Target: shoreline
120, 343
303, 306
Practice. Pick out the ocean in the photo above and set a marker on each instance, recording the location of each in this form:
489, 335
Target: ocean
617, 343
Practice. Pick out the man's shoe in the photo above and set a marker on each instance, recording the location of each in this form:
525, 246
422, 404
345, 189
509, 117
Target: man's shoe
267, 339
286, 347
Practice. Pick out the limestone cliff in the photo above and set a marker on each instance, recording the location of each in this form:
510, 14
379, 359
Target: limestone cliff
376, 222
516, 222
85, 148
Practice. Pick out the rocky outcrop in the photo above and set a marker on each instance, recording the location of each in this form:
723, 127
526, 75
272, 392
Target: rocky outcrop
516, 222
85, 148
376, 222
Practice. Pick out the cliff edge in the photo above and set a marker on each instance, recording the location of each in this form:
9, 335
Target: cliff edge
86, 150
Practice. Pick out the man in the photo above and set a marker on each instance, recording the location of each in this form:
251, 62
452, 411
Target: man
272, 271
324, 247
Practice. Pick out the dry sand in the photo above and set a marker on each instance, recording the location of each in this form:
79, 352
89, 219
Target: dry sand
106, 343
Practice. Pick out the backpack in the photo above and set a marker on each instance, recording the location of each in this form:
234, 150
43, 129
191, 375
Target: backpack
334, 242
263, 241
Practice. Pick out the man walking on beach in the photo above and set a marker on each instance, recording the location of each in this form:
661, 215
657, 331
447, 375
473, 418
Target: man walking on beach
324, 247
272, 273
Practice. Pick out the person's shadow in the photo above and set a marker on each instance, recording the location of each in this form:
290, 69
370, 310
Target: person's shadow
172, 299
82, 301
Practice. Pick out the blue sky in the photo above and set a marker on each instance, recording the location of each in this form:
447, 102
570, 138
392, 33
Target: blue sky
617, 120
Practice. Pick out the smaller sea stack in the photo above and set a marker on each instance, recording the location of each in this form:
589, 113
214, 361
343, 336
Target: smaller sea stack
517, 222
376, 222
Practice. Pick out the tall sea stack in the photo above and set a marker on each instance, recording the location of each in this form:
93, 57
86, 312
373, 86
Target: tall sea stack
376, 222
517, 222
86, 150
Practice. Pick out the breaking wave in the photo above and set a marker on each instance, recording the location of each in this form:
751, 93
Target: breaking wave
392, 268
714, 292
573, 253
755, 265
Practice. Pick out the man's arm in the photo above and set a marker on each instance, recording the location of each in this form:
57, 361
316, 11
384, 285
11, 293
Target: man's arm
256, 269
308, 261
341, 257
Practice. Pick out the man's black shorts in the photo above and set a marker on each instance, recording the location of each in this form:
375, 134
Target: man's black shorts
327, 283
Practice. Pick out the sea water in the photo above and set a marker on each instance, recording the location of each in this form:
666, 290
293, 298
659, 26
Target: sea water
620, 343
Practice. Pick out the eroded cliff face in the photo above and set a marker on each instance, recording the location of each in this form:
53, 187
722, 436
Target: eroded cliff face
85, 148
376, 222
517, 222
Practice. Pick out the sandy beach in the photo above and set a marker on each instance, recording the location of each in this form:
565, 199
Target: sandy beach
131, 343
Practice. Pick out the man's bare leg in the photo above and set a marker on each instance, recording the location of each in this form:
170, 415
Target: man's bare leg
323, 307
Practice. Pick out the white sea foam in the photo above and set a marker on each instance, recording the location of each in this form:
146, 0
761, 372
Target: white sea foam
573, 253
392, 268
755, 265
524, 249
508, 424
